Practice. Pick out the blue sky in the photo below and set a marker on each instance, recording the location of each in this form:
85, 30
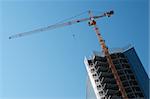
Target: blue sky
49, 65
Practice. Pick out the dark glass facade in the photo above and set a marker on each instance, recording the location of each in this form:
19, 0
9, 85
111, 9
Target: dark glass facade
139, 71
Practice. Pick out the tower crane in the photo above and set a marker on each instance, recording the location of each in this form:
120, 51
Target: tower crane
92, 22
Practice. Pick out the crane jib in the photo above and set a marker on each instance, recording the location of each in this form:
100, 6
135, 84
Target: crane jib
50, 27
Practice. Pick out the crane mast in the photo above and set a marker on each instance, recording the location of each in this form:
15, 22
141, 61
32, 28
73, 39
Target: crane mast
107, 55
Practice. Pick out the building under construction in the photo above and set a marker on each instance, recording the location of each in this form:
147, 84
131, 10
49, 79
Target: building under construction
101, 82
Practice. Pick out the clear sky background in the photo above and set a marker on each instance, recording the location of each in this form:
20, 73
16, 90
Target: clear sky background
49, 65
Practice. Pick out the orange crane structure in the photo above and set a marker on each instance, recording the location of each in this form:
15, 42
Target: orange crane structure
92, 22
